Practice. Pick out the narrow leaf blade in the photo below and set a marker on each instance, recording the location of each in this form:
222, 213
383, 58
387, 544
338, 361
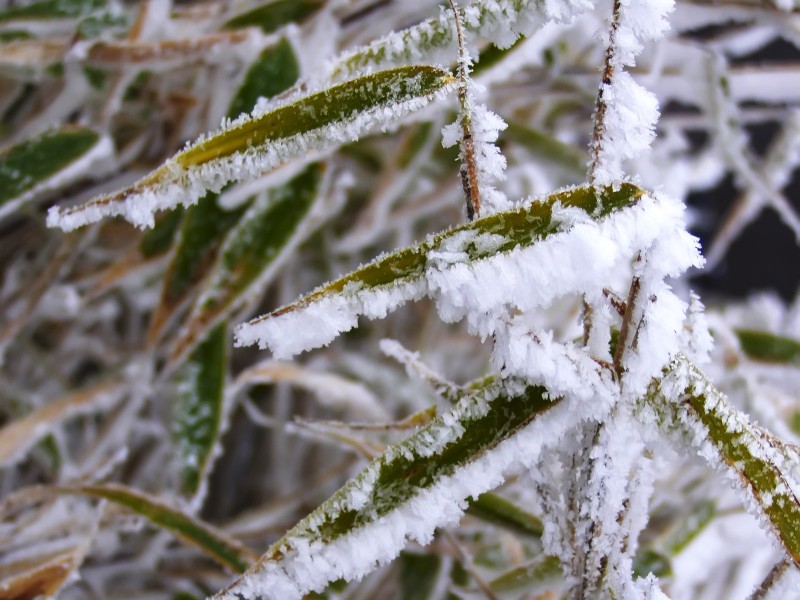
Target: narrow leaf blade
199, 410
255, 144
215, 543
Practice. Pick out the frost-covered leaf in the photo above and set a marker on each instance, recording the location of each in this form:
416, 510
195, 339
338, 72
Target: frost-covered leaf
217, 544
413, 488
51, 9
254, 250
21, 435
433, 41
199, 408
762, 345
760, 466
393, 279
501, 511
275, 70
271, 16
202, 231
254, 144
542, 573
47, 162
159, 239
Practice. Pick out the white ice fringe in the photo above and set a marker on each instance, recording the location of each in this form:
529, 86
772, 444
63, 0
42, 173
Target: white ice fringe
311, 563
184, 186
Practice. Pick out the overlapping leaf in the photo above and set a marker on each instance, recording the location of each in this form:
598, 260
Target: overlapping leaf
271, 16
370, 506
251, 145
769, 347
764, 468
215, 543
253, 251
47, 162
199, 410
399, 274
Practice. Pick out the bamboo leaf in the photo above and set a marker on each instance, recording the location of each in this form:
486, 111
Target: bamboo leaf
206, 223
47, 162
500, 511
271, 16
542, 573
761, 345
51, 9
253, 144
761, 465
159, 239
254, 250
392, 497
199, 410
215, 543
400, 276
274, 71
202, 231
417, 575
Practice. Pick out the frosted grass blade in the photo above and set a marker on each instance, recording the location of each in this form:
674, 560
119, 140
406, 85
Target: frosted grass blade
254, 144
393, 279
46, 163
501, 511
254, 250
215, 543
207, 223
763, 468
368, 521
197, 422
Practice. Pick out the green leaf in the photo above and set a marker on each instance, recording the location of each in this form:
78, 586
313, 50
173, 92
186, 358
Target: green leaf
417, 575
509, 230
760, 345
29, 166
407, 470
215, 543
547, 148
251, 146
273, 72
689, 527
202, 232
274, 15
500, 511
648, 561
273, 226
686, 401
535, 577
158, 240
51, 9
199, 409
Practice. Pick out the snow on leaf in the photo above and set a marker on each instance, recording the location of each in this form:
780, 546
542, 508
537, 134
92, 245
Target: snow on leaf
271, 16
199, 409
214, 542
758, 465
254, 250
48, 162
393, 279
253, 144
416, 486
434, 41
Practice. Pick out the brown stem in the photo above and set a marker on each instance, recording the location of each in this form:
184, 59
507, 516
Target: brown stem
600, 105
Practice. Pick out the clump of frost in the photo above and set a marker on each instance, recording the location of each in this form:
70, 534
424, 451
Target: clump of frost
629, 112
